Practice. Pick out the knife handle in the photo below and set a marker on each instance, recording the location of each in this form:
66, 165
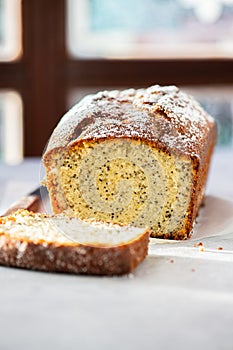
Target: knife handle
30, 202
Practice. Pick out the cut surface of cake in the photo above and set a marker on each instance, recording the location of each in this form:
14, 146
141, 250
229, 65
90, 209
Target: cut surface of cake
138, 157
60, 244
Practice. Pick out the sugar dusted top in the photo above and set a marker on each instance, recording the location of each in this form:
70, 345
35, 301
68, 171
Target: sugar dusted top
59, 229
163, 115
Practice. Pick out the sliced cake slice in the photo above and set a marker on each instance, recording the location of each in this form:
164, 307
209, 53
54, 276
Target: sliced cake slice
60, 244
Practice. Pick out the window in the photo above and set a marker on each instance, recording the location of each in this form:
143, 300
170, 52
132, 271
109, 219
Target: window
150, 28
56, 60
10, 29
11, 127
11, 122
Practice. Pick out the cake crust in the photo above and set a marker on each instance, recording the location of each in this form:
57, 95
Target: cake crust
164, 116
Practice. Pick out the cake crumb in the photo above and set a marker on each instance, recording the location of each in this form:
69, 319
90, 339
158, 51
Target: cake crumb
171, 261
220, 248
200, 245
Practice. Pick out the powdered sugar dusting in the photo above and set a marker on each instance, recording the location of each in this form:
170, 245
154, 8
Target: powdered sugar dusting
160, 114
60, 229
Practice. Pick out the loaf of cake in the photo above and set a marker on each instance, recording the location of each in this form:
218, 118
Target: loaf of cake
58, 244
138, 157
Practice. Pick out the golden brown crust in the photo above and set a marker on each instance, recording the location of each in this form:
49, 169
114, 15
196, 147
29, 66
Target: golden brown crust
71, 257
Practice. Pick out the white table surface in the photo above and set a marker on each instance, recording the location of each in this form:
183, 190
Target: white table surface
184, 304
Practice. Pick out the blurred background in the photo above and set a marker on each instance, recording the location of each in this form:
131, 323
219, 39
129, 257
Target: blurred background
54, 52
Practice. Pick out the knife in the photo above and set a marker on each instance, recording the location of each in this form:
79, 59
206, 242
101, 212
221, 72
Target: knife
30, 202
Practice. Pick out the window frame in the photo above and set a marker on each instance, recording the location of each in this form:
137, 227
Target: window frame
45, 73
